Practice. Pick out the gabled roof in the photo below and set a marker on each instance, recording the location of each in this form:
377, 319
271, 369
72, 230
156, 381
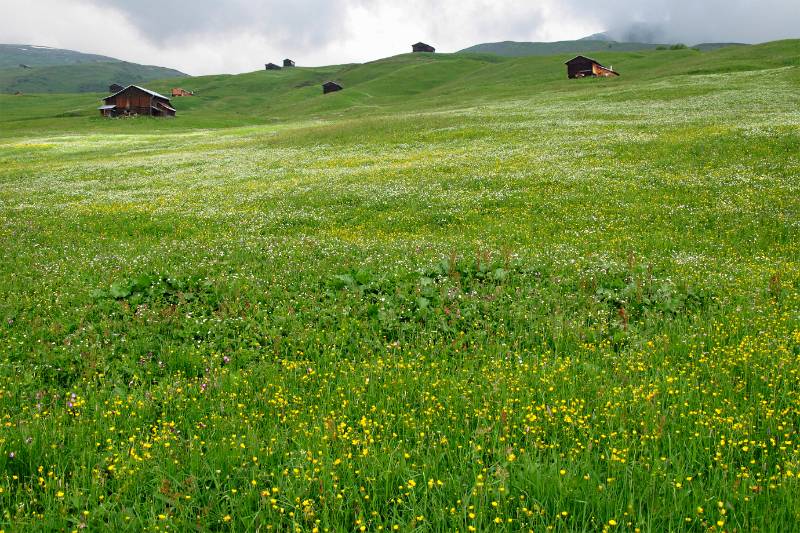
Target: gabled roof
329, 83
609, 69
148, 91
583, 57
421, 44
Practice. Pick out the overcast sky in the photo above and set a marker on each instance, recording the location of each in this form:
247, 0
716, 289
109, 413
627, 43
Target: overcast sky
231, 36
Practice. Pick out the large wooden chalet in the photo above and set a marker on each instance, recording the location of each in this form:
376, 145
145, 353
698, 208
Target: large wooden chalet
135, 100
585, 67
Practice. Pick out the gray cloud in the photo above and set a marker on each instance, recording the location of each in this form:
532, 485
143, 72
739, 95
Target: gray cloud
694, 21
301, 22
315, 22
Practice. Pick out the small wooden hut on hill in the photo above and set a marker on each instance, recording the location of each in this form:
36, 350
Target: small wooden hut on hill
331, 87
585, 67
177, 91
272, 66
422, 47
115, 88
288, 63
135, 100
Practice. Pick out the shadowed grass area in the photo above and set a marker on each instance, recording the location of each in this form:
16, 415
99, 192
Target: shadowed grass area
463, 294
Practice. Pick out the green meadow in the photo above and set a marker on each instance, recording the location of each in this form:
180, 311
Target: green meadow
39, 69
463, 294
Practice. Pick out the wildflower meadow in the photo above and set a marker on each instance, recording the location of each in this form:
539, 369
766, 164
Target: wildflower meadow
570, 309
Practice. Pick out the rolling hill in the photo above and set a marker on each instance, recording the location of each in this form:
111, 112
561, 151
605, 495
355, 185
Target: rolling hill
40, 69
518, 49
413, 82
14, 55
593, 43
423, 81
708, 47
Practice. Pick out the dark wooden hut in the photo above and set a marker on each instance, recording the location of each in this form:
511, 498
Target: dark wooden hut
288, 63
422, 47
23, 65
115, 88
135, 100
585, 67
331, 87
272, 66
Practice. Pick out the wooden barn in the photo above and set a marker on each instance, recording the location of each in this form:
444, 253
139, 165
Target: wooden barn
115, 88
331, 87
584, 67
181, 92
272, 66
422, 47
288, 63
135, 100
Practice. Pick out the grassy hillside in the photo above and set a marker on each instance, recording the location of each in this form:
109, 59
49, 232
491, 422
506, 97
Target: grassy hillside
90, 77
407, 82
65, 71
14, 55
708, 47
582, 46
516, 49
463, 294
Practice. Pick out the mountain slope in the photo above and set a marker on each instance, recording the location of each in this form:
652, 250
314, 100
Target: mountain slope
410, 83
591, 44
707, 47
602, 36
89, 77
518, 49
14, 55
39, 69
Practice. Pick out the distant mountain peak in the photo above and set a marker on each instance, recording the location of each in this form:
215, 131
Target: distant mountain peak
602, 36
30, 68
